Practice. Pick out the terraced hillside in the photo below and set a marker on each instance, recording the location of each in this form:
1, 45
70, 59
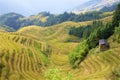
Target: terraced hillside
28, 53
99, 66
24, 54
96, 66
55, 33
21, 58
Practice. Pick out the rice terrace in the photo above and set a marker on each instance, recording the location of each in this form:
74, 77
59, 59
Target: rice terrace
82, 43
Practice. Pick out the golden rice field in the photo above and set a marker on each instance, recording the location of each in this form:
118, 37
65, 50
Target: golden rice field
22, 58
28, 53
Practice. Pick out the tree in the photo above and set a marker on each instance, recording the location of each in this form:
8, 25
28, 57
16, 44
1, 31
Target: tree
116, 17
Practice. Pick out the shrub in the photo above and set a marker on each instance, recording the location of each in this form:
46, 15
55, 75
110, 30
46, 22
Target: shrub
56, 74
116, 17
117, 34
78, 54
53, 74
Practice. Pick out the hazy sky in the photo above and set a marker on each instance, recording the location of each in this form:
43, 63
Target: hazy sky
29, 7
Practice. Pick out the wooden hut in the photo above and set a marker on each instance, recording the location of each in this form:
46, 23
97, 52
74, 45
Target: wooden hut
103, 45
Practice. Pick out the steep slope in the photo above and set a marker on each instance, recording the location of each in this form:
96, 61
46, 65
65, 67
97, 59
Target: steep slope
29, 52
97, 65
21, 57
56, 32
53, 33
24, 57
101, 65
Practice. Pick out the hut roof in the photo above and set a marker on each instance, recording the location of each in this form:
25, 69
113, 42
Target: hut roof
102, 41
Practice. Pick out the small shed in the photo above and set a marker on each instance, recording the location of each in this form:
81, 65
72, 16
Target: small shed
103, 45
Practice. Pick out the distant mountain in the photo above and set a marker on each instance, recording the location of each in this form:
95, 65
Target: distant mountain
10, 19
94, 5
16, 21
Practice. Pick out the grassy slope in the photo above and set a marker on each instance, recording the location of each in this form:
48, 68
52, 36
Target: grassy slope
26, 64
96, 66
20, 57
100, 65
55, 33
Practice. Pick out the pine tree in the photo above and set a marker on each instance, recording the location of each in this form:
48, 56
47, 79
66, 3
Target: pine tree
116, 17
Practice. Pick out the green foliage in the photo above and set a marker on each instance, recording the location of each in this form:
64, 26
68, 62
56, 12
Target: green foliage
85, 31
17, 21
43, 56
28, 22
117, 30
117, 34
116, 17
92, 41
105, 31
53, 19
102, 32
36, 45
53, 74
30, 53
82, 32
78, 54
92, 35
56, 74
94, 32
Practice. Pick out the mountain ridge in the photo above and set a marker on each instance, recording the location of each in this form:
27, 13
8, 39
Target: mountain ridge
94, 5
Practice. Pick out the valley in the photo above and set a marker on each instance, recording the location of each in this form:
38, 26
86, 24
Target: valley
61, 47
23, 54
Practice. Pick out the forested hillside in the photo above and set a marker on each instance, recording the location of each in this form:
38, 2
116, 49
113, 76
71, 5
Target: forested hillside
92, 34
47, 19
